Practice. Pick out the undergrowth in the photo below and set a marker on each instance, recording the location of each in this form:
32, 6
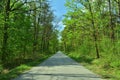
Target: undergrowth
8, 74
107, 67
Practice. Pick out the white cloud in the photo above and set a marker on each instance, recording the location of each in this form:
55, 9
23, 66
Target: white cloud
61, 26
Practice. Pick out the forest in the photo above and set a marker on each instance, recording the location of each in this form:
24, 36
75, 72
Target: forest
26, 32
91, 35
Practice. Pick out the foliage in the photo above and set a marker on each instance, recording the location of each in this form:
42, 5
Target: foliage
13, 73
92, 33
26, 31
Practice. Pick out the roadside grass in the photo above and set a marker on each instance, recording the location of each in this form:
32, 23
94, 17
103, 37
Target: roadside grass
13, 73
98, 66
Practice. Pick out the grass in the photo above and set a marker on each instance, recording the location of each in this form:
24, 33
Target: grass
98, 66
12, 73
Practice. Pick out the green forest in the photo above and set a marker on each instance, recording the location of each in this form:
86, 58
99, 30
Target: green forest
91, 35
26, 33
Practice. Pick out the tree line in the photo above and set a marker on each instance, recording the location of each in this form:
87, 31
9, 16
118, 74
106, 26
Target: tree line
93, 29
26, 30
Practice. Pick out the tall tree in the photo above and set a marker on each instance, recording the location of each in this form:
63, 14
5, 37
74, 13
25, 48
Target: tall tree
94, 22
5, 35
26, 25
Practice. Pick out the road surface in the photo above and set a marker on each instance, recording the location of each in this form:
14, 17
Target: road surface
58, 67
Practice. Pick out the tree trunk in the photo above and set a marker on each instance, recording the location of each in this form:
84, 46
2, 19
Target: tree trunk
94, 32
35, 32
5, 34
119, 9
112, 35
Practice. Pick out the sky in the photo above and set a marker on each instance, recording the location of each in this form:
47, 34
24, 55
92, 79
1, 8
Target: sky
59, 11
58, 7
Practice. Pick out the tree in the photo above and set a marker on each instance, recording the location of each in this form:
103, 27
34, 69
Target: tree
5, 34
90, 23
26, 31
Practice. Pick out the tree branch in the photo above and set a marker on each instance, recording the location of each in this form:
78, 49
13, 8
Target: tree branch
13, 4
18, 7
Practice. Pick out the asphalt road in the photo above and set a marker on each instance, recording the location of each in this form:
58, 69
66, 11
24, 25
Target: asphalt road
59, 67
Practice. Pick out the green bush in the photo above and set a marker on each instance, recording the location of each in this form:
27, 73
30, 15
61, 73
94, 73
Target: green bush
1, 68
115, 63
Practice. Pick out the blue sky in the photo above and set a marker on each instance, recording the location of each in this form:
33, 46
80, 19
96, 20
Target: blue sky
59, 10
58, 7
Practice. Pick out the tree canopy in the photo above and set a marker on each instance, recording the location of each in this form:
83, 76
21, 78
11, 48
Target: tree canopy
26, 30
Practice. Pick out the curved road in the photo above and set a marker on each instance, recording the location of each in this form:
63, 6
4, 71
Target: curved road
59, 67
